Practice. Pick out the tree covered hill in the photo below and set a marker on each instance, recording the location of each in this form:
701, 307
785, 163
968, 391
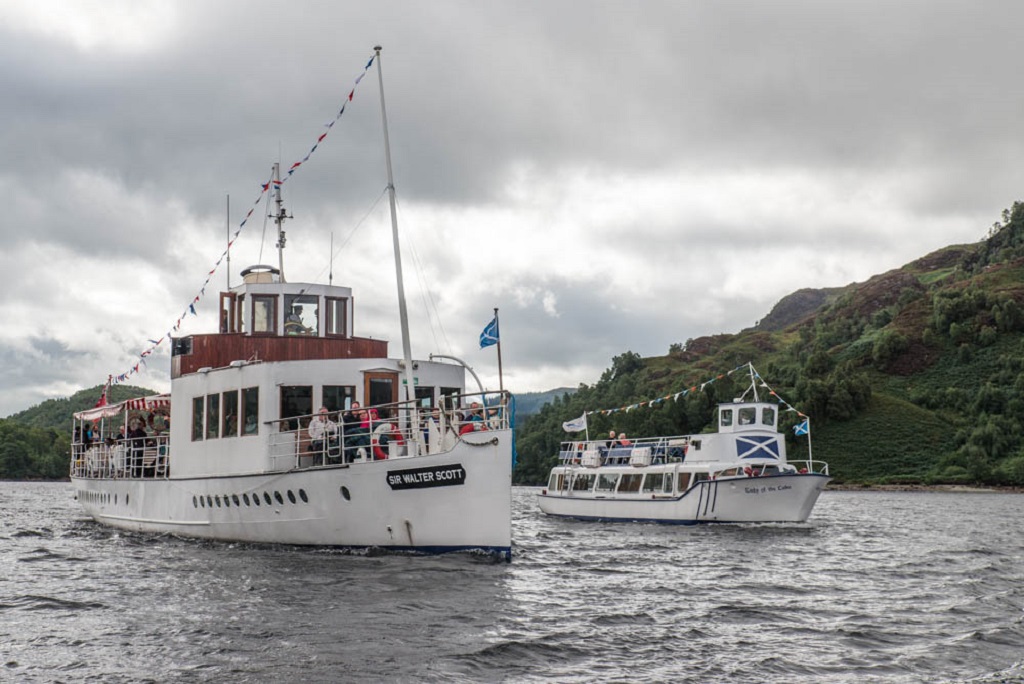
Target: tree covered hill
916, 375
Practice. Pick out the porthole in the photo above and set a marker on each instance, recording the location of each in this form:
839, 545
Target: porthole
256, 499
115, 499
291, 497
217, 499
227, 501
345, 494
245, 498
195, 502
234, 497
266, 497
202, 502
280, 499
209, 501
126, 499
302, 495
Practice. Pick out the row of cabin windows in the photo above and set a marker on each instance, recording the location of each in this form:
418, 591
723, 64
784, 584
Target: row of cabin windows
748, 416
301, 315
236, 412
227, 414
649, 483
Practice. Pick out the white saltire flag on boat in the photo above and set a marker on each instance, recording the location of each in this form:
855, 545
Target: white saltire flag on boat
801, 428
576, 424
490, 334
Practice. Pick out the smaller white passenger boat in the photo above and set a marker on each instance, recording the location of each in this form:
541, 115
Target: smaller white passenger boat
738, 474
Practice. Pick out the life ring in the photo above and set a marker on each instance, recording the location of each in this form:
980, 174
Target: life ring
389, 431
161, 424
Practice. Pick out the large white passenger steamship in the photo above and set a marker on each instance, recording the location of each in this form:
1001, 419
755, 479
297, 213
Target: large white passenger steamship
230, 452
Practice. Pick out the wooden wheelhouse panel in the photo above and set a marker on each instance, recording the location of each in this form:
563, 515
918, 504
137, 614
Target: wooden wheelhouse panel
217, 351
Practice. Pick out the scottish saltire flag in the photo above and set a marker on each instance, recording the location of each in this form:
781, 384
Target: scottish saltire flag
490, 334
576, 424
801, 428
757, 446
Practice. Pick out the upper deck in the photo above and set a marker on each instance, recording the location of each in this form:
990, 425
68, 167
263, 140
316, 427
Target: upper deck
268, 319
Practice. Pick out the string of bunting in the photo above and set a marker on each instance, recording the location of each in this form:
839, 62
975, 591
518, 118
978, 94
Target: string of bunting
699, 388
264, 189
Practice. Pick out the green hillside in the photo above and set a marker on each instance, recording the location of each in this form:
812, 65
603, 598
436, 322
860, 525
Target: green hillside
914, 376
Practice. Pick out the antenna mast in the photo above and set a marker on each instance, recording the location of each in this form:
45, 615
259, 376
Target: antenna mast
279, 219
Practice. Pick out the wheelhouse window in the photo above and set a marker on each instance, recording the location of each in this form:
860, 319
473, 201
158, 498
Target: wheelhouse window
338, 397
264, 314
250, 411
768, 416
337, 316
212, 415
229, 401
301, 315
747, 415
725, 419
197, 418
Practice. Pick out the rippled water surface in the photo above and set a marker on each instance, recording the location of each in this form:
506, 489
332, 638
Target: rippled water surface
902, 587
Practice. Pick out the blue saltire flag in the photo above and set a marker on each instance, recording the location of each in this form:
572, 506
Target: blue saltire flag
490, 334
801, 428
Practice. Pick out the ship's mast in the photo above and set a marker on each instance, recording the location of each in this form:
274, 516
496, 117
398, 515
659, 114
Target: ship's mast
279, 218
410, 388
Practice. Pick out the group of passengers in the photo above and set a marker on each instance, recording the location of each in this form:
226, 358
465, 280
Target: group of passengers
363, 434
132, 441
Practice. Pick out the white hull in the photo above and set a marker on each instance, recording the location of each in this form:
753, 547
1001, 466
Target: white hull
780, 498
386, 506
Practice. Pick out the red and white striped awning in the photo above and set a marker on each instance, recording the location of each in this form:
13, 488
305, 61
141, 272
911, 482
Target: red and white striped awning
153, 403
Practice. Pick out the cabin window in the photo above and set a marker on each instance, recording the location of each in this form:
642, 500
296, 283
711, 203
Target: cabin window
606, 482
557, 482
654, 482
768, 416
695, 444
250, 411
446, 396
583, 483
338, 397
197, 418
726, 417
296, 400
630, 483
229, 402
239, 309
684, 482
425, 397
337, 316
747, 415
264, 314
301, 315
212, 415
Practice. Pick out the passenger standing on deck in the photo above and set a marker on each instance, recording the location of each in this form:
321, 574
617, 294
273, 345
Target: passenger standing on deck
321, 430
137, 439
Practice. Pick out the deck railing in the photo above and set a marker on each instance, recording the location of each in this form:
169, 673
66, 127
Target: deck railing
385, 431
139, 458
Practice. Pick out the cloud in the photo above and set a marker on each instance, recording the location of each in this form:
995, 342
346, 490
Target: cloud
611, 177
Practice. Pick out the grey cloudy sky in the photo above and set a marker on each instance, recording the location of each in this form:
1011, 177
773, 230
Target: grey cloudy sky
613, 175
